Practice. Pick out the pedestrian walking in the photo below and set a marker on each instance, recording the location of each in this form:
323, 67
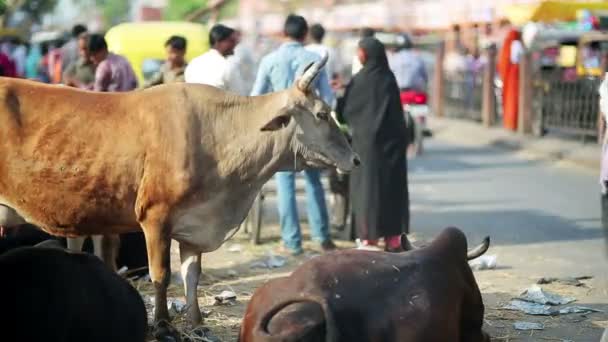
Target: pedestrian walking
317, 34
81, 73
114, 72
70, 51
356, 64
213, 67
378, 188
173, 69
278, 71
508, 69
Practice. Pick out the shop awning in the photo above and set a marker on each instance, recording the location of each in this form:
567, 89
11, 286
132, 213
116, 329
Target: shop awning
550, 11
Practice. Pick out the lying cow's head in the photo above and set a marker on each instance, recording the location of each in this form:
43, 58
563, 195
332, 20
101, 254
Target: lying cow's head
317, 139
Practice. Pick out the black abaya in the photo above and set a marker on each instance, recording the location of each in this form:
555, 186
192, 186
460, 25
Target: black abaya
372, 108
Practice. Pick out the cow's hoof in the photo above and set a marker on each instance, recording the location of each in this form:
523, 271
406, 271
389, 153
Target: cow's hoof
165, 332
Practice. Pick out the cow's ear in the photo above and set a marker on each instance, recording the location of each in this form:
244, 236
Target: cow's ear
278, 122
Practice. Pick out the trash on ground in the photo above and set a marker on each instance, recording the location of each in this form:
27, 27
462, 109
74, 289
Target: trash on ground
225, 298
528, 307
176, 305
236, 248
273, 261
484, 262
536, 294
122, 270
573, 281
528, 326
577, 309
537, 309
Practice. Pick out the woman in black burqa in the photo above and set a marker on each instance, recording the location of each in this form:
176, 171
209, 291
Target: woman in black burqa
378, 188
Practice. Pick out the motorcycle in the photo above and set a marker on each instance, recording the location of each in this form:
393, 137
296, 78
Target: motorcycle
416, 110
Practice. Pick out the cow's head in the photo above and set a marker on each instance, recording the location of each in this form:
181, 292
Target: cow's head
317, 140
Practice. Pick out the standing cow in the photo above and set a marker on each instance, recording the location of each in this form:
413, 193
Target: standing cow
181, 161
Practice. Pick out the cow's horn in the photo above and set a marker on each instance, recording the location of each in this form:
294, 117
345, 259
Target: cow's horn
311, 73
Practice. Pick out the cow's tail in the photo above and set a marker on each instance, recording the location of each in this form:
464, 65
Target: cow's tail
330, 324
479, 250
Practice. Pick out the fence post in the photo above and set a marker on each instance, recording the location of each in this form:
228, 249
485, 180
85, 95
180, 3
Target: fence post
488, 104
524, 120
438, 84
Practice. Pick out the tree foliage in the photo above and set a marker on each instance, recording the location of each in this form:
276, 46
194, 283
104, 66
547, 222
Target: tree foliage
35, 9
178, 9
114, 11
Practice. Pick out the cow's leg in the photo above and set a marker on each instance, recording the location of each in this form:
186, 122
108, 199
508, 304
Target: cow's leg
106, 248
191, 272
158, 243
75, 244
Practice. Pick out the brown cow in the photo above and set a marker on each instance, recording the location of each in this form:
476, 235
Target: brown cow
181, 161
428, 294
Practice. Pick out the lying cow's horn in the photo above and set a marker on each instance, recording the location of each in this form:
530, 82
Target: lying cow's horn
471, 254
310, 73
479, 250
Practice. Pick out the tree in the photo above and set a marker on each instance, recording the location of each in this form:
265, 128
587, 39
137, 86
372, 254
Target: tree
178, 9
200, 10
114, 11
34, 9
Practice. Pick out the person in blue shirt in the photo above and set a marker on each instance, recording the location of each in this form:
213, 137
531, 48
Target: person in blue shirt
278, 71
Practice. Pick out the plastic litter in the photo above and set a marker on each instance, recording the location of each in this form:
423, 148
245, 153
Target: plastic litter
573, 281
577, 309
536, 294
273, 261
484, 262
545, 310
225, 298
236, 248
528, 326
528, 307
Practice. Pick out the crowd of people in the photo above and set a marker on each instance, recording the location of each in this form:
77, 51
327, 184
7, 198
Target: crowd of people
369, 105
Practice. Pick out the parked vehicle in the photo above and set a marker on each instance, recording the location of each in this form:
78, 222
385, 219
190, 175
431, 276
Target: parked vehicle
143, 44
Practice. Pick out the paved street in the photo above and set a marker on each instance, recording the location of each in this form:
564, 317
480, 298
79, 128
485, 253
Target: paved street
543, 219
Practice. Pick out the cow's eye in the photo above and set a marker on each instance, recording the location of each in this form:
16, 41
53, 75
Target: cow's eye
323, 116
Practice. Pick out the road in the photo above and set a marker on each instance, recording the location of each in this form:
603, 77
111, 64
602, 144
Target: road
543, 220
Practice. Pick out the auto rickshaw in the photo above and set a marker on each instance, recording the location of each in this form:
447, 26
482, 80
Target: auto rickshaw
143, 43
591, 47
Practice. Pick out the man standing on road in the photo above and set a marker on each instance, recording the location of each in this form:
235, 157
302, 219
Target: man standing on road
70, 50
317, 33
81, 73
278, 71
213, 67
174, 67
114, 73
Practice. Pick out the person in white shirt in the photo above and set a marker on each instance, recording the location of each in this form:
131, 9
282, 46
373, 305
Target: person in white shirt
213, 67
316, 34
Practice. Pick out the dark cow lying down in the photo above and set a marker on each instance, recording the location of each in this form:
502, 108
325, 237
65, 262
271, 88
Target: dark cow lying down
49, 294
426, 295
131, 253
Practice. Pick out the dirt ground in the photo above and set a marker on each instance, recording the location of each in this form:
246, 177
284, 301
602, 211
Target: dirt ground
232, 271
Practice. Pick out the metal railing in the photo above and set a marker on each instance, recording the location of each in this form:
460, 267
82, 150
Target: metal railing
570, 107
463, 95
